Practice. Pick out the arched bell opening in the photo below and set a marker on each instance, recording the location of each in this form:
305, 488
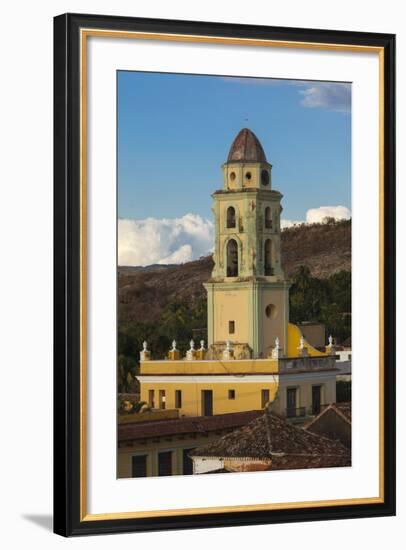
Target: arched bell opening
232, 258
230, 217
268, 217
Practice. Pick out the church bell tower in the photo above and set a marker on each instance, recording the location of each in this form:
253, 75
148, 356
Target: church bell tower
248, 295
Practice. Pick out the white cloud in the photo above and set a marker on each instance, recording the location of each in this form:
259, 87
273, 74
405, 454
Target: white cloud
290, 223
180, 256
333, 96
176, 240
327, 95
180, 240
317, 215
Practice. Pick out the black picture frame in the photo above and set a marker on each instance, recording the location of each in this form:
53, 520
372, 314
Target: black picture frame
67, 381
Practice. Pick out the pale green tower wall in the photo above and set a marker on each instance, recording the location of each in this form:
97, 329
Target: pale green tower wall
250, 232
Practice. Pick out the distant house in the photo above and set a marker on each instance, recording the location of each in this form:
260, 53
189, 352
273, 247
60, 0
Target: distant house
343, 379
269, 442
161, 447
333, 422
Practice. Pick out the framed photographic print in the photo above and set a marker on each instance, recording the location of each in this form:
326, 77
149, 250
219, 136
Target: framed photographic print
224, 274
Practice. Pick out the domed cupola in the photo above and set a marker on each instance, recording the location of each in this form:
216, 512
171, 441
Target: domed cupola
246, 166
246, 147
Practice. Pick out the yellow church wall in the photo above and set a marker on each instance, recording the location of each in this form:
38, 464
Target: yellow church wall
231, 305
275, 325
247, 395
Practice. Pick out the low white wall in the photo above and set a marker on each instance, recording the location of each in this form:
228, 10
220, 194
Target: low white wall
202, 465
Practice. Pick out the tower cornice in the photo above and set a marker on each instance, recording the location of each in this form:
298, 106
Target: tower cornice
248, 190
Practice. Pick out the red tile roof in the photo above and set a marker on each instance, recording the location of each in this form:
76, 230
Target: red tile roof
288, 446
185, 425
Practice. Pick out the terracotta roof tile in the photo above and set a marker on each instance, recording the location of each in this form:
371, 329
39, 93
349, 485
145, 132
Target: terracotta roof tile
271, 436
194, 424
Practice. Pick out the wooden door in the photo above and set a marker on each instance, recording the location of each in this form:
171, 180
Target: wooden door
291, 402
316, 399
207, 402
165, 463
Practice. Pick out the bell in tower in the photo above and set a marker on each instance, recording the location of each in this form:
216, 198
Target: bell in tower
247, 293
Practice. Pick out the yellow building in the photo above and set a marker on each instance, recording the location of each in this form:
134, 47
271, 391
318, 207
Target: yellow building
254, 354
204, 388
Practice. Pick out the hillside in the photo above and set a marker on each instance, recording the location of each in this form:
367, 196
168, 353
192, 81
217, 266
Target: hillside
323, 248
143, 292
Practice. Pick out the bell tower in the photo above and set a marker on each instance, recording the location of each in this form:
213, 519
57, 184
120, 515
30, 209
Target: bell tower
248, 295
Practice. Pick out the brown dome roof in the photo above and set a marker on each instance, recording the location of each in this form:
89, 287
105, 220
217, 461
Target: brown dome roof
246, 148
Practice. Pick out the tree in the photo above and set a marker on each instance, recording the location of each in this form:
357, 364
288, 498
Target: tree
326, 301
126, 372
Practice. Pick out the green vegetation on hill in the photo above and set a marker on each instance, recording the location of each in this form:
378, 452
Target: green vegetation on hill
325, 301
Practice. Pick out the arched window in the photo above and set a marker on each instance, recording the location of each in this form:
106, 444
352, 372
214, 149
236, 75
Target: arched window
232, 258
230, 217
268, 257
268, 217
265, 177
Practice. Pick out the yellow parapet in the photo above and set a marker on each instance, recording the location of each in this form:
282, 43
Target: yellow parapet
233, 366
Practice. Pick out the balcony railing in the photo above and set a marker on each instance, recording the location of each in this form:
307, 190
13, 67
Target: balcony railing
306, 364
295, 412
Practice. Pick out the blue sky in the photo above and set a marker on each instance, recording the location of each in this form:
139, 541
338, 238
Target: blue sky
175, 131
